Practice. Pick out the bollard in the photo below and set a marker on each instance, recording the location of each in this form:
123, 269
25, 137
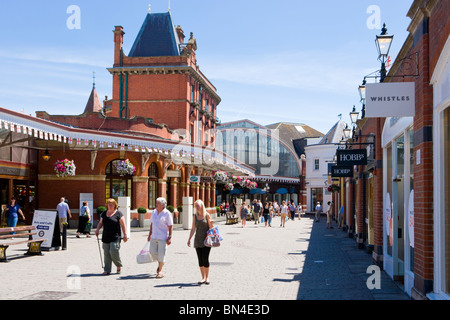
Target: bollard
64, 236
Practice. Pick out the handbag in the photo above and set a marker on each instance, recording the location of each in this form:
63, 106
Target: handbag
144, 256
213, 238
87, 228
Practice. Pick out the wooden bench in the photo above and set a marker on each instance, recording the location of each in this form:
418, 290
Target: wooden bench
34, 246
231, 219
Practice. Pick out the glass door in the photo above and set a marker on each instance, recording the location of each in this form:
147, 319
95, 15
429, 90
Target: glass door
399, 206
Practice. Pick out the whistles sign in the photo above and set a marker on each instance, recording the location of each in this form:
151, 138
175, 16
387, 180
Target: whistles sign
351, 157
390, 100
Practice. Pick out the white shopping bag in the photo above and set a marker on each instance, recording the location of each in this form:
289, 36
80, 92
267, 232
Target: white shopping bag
144, 256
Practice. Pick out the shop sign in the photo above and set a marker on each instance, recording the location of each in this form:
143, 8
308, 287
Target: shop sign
44, 221
351, 157
194, 179
173, 173
341, 171
390, 100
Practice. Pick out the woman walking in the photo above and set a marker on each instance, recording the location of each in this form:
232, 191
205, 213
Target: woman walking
266, 214
244, 213
83, 220
200, 225
112, 221
284, 212
12, 211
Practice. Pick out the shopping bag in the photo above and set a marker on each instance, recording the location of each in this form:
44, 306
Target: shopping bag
213, 238
144, 256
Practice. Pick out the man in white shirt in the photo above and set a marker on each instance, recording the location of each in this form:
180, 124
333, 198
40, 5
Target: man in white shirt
318, 211
160, 235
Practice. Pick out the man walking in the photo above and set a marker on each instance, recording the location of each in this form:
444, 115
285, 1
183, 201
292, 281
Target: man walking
318, 211
160, 235
63, 210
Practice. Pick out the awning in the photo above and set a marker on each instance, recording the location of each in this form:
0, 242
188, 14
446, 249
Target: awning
41, 129
282, 191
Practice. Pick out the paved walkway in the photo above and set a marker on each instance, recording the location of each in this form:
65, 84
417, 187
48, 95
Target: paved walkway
304, 260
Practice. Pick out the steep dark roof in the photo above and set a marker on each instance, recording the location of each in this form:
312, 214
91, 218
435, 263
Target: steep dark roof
156, 38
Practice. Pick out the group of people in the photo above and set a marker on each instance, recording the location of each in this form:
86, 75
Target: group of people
112, 222
339, 217
268, 210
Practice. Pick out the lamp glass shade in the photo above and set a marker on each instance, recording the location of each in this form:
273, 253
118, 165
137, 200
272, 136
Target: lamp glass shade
347, 132
354, 116
46, 156
383, 43
362, 92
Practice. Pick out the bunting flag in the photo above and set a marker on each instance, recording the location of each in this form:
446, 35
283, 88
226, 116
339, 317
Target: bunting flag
130, 147
78, 142
116, 145
19, 129
36, 133
64, 139
94, 143
70, 140
11, 127
101, 144
86, 142
122, 146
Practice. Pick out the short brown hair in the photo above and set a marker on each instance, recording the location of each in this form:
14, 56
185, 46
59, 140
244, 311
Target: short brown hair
111, 200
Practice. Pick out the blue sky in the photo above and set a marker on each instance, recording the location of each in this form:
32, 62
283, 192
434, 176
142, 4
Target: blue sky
271, 61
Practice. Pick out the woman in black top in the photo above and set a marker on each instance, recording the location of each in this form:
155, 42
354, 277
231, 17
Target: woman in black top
266, 213
112, 222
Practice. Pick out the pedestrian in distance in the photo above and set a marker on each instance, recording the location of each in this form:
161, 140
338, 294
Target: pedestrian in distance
318, 211
160, 235
200, 225
266, 214
113, 223
284, 212
329, 215
292, 210
256, 210
271, 212
299, 210
244, 212
12, 214
84, 220
341, 217
63, 211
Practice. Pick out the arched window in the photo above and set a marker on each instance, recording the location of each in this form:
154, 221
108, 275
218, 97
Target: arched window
152, 185
116, 185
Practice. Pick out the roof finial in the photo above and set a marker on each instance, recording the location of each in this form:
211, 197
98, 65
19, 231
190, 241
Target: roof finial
93, 82
149, 8
169, 5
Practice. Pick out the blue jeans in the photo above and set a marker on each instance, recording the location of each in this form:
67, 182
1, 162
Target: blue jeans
12, 223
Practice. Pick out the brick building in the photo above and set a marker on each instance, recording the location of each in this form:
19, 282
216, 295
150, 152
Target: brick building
162, 117
398, 204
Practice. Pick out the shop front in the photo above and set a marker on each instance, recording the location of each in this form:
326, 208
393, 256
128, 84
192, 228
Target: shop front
398, 204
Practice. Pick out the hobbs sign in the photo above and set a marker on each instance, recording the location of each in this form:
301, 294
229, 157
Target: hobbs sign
351, 157
341, 172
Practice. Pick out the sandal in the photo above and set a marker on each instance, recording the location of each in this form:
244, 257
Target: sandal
119, 270
159, 276
106, 273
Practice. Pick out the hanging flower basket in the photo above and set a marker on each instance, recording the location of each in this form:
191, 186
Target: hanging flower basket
64, 168
334, 188
125, 167
229, 186
220, 176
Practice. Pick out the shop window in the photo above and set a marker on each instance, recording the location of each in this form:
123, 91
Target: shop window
152, 185
116, 185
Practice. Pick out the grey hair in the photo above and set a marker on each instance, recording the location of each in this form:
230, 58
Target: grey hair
162, 201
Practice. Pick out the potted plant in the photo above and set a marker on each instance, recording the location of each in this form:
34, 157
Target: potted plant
141, 211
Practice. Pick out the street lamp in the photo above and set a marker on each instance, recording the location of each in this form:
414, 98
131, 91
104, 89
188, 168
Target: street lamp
383, 43
347, 131
362, 92
46, 156
354, 115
